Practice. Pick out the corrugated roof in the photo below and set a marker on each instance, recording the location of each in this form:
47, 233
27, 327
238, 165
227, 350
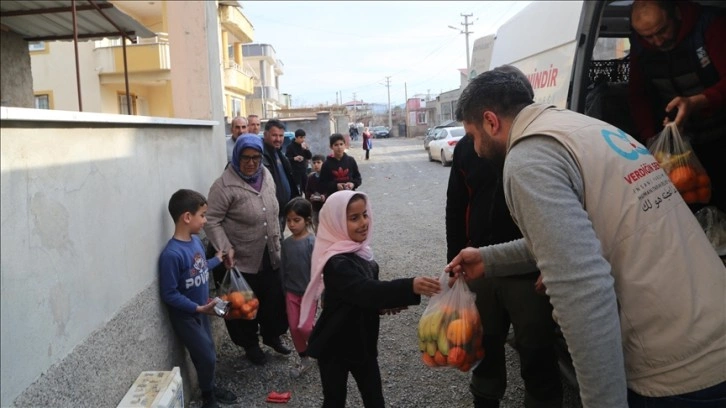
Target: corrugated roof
53, 20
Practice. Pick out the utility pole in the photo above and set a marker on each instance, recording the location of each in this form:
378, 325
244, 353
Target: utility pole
390, 120
405, 96
466, 33
355, 109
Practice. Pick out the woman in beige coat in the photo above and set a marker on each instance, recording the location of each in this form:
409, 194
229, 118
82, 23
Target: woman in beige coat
242, 218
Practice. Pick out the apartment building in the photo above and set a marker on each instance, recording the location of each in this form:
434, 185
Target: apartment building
148, 65
266, 100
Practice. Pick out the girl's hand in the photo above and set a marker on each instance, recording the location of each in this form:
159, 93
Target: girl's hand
426, 286
207, 309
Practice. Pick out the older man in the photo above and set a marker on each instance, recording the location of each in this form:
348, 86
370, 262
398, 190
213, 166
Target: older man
678, 72
239, 126
253, 124
644, 326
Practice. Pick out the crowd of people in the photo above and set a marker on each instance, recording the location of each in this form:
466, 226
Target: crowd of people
539, 223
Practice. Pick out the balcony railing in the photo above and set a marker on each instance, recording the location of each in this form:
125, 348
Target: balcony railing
236, 23
238, 78
149, 55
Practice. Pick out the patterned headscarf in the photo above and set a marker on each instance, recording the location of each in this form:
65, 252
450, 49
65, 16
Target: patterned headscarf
332, 239
244, 141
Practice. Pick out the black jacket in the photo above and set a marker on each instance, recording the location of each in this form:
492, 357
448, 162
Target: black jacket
476, 211
299, 168
269, 159
348, 325
336, 171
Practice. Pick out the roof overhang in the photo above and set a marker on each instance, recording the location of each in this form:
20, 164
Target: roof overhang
53, 20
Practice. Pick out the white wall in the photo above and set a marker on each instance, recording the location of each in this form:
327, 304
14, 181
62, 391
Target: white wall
83, 221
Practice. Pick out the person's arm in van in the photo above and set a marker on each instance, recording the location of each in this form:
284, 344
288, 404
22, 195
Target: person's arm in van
712, 99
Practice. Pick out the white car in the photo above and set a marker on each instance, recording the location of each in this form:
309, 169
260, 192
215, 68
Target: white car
442, 147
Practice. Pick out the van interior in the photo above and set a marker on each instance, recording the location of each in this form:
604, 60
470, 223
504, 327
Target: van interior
600, 75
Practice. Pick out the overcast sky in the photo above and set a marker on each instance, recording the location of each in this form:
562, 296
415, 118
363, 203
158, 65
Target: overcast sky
352, 46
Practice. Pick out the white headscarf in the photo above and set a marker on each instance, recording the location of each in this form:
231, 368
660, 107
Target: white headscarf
332, 239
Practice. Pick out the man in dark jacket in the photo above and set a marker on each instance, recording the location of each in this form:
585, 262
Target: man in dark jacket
678, 72
278, 165
298, 154
477, 215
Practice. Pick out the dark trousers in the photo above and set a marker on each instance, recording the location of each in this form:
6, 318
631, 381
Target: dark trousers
368, 153
334, 378
712, 397
271, 316
712, 156
502, 301
301, 178
195, 333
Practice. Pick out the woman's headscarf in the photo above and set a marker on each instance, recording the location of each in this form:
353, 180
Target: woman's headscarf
332, 239
245, 141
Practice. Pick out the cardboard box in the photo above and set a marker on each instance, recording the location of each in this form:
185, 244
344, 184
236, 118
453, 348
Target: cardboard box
155, 389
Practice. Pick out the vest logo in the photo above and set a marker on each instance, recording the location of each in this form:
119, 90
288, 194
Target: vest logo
624, 144
703, 58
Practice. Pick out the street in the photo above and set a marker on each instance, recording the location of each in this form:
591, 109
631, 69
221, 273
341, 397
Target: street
407, 194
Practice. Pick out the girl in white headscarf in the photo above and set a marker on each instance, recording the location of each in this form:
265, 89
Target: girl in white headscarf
345, 337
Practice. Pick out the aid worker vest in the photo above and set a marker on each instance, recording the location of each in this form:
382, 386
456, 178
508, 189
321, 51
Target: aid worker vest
686, 70
669, 281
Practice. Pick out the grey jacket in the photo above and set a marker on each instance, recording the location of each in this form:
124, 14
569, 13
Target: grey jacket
244, 219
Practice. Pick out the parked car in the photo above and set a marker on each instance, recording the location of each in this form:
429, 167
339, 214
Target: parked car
442, 147
380, 132
431, 132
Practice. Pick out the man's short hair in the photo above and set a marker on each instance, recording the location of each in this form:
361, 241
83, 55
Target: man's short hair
335, 137
318, 157
274, 123
503, 93
184, 201
252, 116
299, 133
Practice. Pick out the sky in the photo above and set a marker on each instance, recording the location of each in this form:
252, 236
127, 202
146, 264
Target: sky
351, 47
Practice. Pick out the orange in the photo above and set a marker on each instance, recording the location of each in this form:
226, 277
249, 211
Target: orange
703, 180
703, 194
690, 196
234, 314
246, 308
428, 360
471, 315
439, 358
254, 303
459, 332
465, 367
236, 299
456, 357
683, 177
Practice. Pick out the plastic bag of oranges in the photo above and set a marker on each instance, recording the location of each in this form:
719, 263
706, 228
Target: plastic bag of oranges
450, 331
242, 300
675, 155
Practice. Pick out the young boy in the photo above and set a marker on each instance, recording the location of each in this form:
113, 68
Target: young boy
184, 288
314, 191
299, 154
340, 171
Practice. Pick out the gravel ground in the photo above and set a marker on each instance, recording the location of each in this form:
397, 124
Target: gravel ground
408, 197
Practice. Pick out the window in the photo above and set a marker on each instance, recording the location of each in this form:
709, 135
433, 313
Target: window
236, 107
36, 46
42, 101
421, 118
123, 107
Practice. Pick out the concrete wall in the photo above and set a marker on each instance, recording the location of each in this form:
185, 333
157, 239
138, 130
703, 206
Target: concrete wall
84, 219
317, 131
16, 81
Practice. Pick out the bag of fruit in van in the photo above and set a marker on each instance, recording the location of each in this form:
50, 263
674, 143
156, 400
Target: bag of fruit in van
675, 155
242, 300
450, 331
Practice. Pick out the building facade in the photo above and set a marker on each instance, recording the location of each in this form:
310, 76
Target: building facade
267, 69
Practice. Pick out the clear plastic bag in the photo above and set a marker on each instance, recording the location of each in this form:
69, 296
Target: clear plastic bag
235, 290
713, 222
675, 155
450, 330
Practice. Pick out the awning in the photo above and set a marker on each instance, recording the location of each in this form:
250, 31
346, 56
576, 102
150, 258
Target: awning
53, 20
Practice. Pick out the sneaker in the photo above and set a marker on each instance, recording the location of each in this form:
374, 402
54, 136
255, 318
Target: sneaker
277, 345
256, 355
224, 396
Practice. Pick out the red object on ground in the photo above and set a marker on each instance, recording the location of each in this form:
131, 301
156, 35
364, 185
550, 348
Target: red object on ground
278, 397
